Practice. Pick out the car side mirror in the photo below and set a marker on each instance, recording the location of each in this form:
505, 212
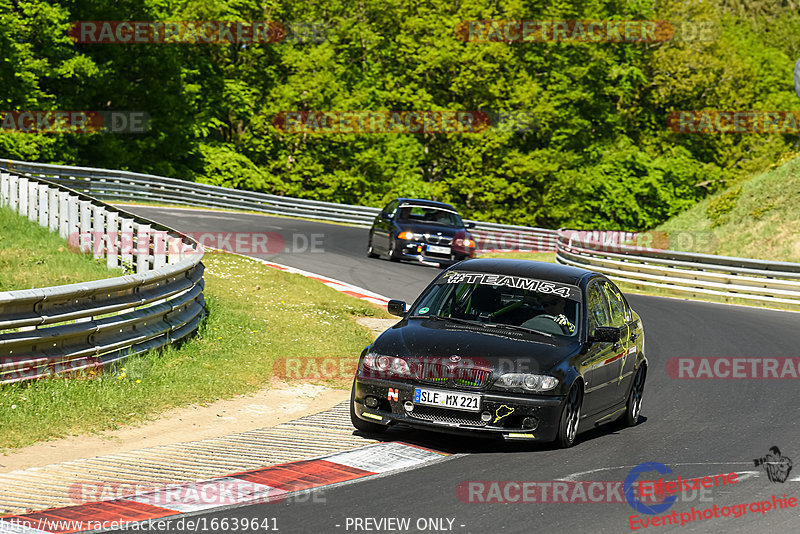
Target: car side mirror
609, 334
470, 225
385, 216
397, 307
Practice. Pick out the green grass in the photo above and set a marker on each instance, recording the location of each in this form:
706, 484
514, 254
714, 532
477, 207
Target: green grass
756, 218
32, 256
256, 315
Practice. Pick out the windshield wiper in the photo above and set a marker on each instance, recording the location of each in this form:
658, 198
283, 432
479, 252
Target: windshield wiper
520, 328
450, 319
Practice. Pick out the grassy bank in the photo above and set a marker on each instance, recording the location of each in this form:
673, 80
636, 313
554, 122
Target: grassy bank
32, 256
756, 218
256, 315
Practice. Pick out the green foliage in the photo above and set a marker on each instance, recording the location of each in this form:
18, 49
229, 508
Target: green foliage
601, 154
723, 203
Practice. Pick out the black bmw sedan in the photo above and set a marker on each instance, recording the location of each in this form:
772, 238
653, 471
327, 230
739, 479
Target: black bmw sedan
420, 230
521, 349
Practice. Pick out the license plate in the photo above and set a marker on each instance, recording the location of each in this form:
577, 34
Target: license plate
469, 402
438, 250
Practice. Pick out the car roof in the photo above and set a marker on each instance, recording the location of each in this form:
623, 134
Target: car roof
423, 202
541, 270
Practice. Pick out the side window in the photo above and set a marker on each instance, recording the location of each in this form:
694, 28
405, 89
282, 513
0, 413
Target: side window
391, 207
616, 304
598, 312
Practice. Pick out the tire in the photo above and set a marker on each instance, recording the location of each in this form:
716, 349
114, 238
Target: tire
633, 406
370, 251
570, 418
392, 252
363, 426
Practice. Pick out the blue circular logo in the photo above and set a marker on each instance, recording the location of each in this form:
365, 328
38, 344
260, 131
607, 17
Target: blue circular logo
635, 503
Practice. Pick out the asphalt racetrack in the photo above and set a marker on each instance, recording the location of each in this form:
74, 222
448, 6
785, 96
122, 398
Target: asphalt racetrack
696, 427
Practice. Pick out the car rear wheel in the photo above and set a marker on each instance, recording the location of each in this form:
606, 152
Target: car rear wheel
634, 404
363, 426
370, 251
570, 417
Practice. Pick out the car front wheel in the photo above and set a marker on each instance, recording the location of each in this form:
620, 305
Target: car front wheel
570, 417
393, 256
370, 251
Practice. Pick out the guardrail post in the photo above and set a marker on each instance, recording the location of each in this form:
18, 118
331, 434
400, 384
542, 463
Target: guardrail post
13, 191
175, 244
52, 208
143, 248
44, 205
73, 222
159, 249
112, 248
63, 214
22, 195
98, 230
85, 237
33, 205
5, 183
126, 242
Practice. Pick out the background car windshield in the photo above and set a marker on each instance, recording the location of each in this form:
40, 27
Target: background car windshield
503, 305
429, 215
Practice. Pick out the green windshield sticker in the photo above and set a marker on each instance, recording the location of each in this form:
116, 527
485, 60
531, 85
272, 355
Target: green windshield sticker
424, 310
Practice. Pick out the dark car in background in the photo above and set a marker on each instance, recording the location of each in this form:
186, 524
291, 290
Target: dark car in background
521, 349
421, 230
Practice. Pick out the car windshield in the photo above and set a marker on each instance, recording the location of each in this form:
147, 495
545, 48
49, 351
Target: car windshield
497, 300
429, 215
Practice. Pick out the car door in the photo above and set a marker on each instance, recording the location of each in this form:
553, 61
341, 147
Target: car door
620, 318
630, 339
382, 227
599, 387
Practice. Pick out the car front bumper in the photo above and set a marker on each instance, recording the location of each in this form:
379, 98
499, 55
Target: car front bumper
419, 252
509, 415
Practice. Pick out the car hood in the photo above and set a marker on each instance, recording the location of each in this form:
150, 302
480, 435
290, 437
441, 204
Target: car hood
422, 228
498, 349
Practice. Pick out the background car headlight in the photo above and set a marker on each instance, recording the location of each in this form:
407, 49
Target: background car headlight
526, 381
409, 236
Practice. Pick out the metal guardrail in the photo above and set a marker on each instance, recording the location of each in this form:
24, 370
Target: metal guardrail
110, 185
86, 325
696, 274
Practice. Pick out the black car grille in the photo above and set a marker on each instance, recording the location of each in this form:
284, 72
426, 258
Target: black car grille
438, 373
442, 415
441, 240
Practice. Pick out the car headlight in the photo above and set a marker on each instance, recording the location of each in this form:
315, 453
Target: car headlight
529, 382
465, 243
409, 236
382, 366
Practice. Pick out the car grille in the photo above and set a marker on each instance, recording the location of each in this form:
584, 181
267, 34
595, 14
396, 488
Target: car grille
441, 240
442, 415
438, 373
